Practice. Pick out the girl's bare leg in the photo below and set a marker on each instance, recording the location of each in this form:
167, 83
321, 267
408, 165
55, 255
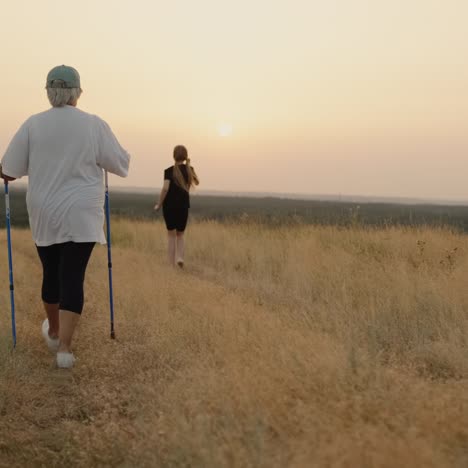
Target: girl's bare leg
171, 247
180, 249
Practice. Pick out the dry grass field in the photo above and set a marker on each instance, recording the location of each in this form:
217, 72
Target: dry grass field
275, 347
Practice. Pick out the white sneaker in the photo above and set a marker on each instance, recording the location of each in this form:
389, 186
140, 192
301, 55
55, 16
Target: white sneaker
65, 360
52, 343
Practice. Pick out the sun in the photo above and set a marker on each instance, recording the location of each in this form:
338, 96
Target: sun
224, 129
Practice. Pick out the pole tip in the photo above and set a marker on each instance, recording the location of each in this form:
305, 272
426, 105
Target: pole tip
112, 335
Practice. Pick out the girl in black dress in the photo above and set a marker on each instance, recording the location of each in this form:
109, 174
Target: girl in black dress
175, 202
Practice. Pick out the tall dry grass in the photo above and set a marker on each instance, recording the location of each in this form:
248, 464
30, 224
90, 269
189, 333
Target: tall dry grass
293, 346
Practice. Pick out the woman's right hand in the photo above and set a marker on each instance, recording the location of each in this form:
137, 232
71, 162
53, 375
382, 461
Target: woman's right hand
157, 207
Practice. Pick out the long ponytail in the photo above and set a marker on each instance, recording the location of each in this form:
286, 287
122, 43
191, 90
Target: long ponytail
192, 176
181, 154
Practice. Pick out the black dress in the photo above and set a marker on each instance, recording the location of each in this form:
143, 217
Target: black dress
177, 202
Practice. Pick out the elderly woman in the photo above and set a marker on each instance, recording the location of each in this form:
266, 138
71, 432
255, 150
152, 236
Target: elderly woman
64, 151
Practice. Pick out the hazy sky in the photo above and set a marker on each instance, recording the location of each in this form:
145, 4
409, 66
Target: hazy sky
362, 97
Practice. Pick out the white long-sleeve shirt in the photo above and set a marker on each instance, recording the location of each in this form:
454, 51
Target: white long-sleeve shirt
64, 152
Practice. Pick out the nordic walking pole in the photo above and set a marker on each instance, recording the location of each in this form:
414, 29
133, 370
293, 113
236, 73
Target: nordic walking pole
109, 260
10, 263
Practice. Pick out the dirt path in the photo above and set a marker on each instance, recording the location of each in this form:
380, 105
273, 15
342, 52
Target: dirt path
99, 412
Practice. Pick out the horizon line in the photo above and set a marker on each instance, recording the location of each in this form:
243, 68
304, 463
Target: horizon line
339, 197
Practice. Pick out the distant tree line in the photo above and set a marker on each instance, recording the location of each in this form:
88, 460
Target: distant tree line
273, 211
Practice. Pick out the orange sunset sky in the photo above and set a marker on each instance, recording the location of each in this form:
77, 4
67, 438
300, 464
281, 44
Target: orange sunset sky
365, 97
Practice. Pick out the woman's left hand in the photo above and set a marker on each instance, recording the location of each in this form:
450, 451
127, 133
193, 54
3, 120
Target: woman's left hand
4, 176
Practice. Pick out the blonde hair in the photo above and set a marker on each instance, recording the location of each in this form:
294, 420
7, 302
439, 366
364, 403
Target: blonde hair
59, 97
181, 155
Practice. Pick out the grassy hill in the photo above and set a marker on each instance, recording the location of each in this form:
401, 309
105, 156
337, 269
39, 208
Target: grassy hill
280, 346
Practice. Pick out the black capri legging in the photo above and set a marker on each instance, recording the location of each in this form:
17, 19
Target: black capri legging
64, 268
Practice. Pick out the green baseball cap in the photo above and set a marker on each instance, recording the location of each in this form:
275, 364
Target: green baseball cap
63, 77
